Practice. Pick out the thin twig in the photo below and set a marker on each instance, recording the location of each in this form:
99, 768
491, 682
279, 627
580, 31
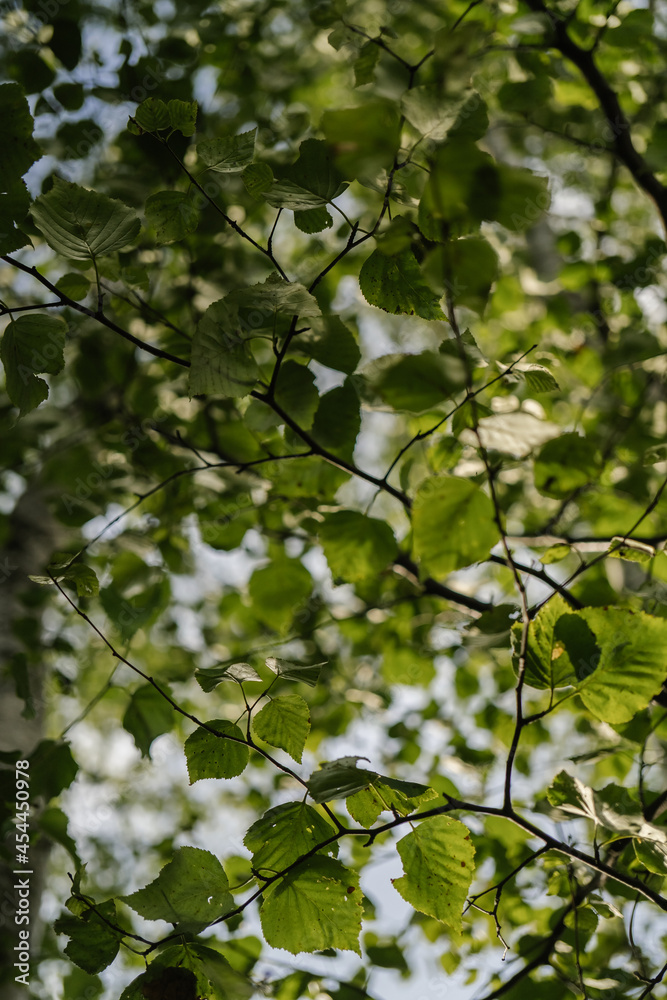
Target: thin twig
422, 435
65, 300
234, 225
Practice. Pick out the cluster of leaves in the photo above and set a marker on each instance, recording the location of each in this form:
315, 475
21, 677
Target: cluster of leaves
362, 304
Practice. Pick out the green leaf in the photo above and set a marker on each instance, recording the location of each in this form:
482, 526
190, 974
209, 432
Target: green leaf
336, 779
162, 981
70, 95
279, 591
438, 861
365, 63
466, 268
616, 811
313, 220
453, 525
53, 822
656, 152
172, 214
78, 983
414, 382
284, 193
555, 553
93, 945
274, 296
84, 579
147, 716
81, 224
285, 833
284, 723
387, 794
258, 178
523, 198
460, 192
75, 140
183, 116
547, 662
210, 756
14, 205
524, 95
613, 808
363, 140
651, 855
222, 363
431, 112
231, 154
468, 187
306, 673
331, 343
30, 70
538, 378
631, 667
208, 678
18, 150
356, 547
395, 284
52, 769
315, 906
565, 464
631, 551
221, 979
472, 121
296, 392
571, 795
32, 343
76, 286
152, 115
191, 892
66, 41
636, 24
311, 182
11, 211
338, 420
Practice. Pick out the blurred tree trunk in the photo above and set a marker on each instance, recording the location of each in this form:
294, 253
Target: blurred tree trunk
30, 544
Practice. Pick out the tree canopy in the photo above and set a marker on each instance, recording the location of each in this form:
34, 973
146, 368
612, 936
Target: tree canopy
332, 508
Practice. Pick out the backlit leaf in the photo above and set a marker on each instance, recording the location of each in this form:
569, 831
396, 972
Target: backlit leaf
438, 861
210, 756
356, 546
228, 155
315, 906
395, 284
285, 833
453, 524
82, 224
190, 892
284, 722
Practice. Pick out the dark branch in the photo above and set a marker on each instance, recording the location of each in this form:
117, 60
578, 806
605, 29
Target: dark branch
98, 315
618, 123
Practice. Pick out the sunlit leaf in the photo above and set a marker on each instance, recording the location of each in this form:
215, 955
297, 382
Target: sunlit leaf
315, 906
191, 891
438, 861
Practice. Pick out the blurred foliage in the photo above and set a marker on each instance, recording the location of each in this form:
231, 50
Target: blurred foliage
333, 341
